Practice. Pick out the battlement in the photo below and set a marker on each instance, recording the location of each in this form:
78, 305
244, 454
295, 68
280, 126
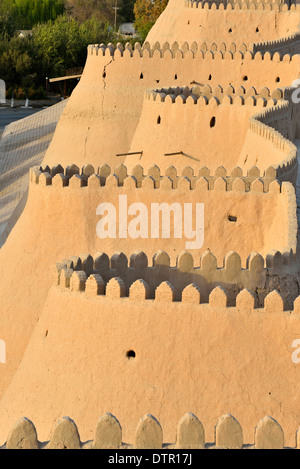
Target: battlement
186, 282
201, 51
276, 5
187, 179
192, 288
271, 124
216, 95
286, 45
221, 109
227, 198
190, 434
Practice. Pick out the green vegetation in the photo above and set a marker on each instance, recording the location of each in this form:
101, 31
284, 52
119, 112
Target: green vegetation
56, 36
27, 13
146, 13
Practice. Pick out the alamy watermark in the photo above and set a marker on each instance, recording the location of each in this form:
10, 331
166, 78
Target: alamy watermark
188, 221
296, 353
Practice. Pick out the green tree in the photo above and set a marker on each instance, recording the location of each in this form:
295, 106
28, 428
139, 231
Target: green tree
102, 10
62, 44
146, 13
83, 10
16, 63
7, 24
27, 13
125, 12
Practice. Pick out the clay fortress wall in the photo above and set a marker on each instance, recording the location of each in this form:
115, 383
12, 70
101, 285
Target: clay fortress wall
102, 101
245, 21
201, 122
135, 317
202, 113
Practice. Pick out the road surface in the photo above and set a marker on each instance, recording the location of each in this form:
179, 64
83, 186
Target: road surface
8, 115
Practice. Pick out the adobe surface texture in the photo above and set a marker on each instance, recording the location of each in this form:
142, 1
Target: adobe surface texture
198, 317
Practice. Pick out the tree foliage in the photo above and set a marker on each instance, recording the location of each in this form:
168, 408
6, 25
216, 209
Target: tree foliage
7, 23
50, 50
26, 13
102, 10
146, 13
55, 42
61, 44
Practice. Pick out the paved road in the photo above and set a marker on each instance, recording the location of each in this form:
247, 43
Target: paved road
8, 115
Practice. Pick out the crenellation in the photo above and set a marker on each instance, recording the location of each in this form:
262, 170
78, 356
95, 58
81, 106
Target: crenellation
191, 294
65, 435
149, 434
235, 296
213, 51
268, 434
152, 178
22, 435
245, 300
101, 263
274, 303
228, 433
108, 433
185, 262
236, 5
205, 95
78, 280
72, 170
65, 277
190, 433
34, 174
187, 275
115, 288
77, 181
218, 298
95, 285
139, 290
45, 179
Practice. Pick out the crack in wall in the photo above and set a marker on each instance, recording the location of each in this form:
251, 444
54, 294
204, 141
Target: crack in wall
104, 84
85, 142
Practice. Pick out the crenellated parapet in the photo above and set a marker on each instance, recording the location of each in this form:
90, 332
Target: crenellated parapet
186, 282
198, 51
214, 96
286, 45
148, 434
154, 179
229, 5
273, 124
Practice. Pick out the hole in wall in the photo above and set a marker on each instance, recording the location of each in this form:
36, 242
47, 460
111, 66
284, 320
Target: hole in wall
277, 79
245, 78
188, 22
157, 81
232, 218
175, 76
104, 75
141, 76
257, 30
130, 354
158, 120
209, 77
230, 30
212, 122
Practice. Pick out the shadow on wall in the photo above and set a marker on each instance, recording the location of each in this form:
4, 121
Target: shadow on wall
231, 277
